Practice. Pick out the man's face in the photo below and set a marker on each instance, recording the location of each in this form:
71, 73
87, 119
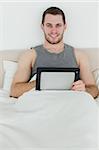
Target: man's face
53, 28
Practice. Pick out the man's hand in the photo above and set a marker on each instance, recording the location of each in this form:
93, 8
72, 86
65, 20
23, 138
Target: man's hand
78, 86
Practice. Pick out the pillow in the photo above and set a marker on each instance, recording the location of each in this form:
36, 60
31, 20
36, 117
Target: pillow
1, 74
33, 78
96, 76
10, 68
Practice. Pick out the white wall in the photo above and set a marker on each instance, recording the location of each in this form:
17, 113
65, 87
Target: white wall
20, 23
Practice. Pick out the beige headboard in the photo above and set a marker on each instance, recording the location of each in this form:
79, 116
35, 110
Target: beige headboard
13, 55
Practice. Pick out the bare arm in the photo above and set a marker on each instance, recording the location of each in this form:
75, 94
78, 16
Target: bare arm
20, 82
87, 82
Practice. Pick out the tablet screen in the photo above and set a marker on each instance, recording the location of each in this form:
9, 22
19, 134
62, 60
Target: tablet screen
56, 78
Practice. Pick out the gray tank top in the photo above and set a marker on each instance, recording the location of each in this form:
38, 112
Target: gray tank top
64, 59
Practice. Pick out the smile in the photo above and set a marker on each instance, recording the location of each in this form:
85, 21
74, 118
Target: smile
53, 36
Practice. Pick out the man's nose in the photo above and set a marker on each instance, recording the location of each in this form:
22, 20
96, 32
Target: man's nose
54, 30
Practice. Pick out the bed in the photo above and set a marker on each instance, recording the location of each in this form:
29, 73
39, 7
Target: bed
51, 120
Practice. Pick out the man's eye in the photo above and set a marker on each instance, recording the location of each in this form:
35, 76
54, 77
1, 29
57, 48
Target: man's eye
49, 25
58, 25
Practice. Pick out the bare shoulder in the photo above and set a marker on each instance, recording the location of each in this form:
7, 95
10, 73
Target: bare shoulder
30, 53
28, 56
80, 56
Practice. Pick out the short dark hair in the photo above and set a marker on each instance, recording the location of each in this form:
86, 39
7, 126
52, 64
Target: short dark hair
53, 11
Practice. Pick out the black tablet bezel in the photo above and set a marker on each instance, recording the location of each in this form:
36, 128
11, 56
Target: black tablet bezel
49, 69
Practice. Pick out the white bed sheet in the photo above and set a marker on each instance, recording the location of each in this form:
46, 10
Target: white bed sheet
49, 119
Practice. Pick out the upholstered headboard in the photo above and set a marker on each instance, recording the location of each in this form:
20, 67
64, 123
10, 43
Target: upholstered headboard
13, 55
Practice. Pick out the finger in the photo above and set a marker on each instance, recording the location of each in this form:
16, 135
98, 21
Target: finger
78, 82
78, 88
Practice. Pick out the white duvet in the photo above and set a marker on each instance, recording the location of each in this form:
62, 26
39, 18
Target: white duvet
52, 120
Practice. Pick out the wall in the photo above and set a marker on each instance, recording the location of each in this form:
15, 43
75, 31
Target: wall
20, 23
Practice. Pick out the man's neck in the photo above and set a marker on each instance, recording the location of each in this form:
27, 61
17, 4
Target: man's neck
54, 48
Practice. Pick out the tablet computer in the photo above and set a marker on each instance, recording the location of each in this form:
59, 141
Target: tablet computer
56, 78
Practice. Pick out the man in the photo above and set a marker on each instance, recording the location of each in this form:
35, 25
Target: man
53, 53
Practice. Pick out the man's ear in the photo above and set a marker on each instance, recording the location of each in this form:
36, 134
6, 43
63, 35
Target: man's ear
65, 26
42, 27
